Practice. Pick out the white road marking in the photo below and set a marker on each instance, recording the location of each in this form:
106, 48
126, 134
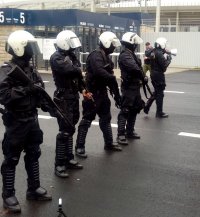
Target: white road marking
46, 81
45, 117
171, 91
189, 134
95, 123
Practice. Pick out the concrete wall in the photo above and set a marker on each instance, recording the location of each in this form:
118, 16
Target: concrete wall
4, 33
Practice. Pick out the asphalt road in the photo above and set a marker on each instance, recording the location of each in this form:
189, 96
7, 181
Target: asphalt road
156, 176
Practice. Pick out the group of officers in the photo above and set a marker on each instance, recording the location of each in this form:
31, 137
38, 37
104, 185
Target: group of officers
21, 101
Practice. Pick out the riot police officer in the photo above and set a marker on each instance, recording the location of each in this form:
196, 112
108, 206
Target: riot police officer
20, 118
99, 76
131, 75
159, 64
69, 82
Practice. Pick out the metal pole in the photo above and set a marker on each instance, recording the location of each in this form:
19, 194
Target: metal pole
93, 6
158, 16
177, 21
169, 25
139, 2
145, 6
109, 7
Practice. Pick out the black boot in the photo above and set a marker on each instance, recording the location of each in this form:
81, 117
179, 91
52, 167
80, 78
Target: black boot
34, 191
108, 137
60, 159
38, 194
10, 202
73, 164
132, 135
70, 162
130, 131
112, 147
148, 104
121, 139
161, 115
61, 171
80, 152
159, 103
80, 141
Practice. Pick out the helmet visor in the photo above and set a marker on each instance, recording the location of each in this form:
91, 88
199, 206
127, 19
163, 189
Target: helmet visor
137, 40
116, 42
32, 48
74, 42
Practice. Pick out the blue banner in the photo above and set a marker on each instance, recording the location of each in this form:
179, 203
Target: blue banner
65, 17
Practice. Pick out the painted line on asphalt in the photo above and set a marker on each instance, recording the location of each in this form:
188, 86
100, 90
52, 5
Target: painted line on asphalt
194, 135
95, 123
170, 91
45, 117
173, 91
46, 81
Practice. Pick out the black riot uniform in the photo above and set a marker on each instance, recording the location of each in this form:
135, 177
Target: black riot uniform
132, 103
22, 132
159, 65
69, 82
99, 76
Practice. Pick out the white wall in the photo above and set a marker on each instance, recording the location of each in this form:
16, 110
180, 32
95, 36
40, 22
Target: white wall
187, 44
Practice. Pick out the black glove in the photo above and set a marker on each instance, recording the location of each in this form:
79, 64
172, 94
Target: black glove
47, 108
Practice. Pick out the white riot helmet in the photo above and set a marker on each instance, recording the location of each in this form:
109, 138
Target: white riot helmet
67, 39
22, 42
109, 38
161, 42
131, 38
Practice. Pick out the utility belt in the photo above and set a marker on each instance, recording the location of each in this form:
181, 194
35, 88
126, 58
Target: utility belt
99, 91
126, 84
9, 116
65, 93
23, 114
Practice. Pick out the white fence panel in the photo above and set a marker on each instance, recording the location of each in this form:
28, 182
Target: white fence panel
187, 44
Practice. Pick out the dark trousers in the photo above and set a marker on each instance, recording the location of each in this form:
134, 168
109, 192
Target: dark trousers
132, 104
21, 136
158, 82
100, 107
64, 139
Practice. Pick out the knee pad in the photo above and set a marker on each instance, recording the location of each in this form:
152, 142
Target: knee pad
32, 155
105, 119
9, 162
62, 134
125, 111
